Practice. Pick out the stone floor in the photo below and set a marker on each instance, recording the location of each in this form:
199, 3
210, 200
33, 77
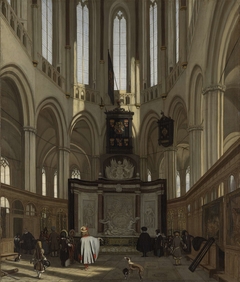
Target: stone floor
108, 267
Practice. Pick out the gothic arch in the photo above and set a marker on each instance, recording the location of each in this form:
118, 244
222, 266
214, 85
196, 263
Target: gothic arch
52, 105
178, 112
195, 96
92, 127
12, 73
224, 21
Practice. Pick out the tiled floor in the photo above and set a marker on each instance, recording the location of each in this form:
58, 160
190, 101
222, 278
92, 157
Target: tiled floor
109, 267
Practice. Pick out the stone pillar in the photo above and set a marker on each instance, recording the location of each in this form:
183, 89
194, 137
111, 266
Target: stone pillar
63, 172
102, 81
35, 33
170, 171
137, 84
30, 159
68, 51
213, 107
195, 149
143, 168
183, 33
163, 50
95, 167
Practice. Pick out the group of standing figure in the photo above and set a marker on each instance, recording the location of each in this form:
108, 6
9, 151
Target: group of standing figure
64, 245
162, 245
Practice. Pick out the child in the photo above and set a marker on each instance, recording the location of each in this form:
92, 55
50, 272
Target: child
39, 260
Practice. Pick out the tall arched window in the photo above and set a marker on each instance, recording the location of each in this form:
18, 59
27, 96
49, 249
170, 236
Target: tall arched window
5, 204
30, 210
76, 173
149, 175
5, 171
153, 42
82, 42
47, 30
120, 51
44, 184
188, 179
177, 30
55, 184
178, 185
232, 183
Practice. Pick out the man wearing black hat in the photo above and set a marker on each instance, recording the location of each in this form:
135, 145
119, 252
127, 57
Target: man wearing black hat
158, 244
144, 243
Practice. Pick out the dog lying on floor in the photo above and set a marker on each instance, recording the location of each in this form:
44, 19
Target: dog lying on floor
131, 267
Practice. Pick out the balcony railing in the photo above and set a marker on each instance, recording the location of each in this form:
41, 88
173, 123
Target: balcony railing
16, 25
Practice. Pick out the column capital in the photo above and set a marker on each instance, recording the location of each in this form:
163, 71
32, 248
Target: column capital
64, 149
194, 127
210, 88
170, 149
29, 129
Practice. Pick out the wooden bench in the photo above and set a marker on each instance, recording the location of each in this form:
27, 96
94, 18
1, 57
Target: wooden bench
8, 256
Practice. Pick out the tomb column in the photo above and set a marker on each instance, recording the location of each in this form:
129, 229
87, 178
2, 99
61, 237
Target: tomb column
30, 159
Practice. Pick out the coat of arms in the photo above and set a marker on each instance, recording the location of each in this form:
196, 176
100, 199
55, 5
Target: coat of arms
119, 127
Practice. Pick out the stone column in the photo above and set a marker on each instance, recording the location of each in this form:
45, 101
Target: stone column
63, 172
30, 159
137, 84
143, 168
195, 149
183, 33
35, 33
68, 51
95, 167
170, 171
163, 50
213, 107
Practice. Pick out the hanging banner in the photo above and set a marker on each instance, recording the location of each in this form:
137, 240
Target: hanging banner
165, 130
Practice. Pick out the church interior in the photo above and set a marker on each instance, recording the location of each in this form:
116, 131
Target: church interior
118, 114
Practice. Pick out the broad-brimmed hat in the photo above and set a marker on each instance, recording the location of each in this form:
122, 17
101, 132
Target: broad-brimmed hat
144, 228
176, 233
71, 232
84, 229
64, 233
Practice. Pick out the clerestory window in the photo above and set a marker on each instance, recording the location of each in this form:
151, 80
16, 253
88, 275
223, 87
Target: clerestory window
82, 42
153, 30
47, 30
120, 51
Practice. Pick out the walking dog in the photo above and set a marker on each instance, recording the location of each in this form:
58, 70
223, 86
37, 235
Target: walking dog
133, 266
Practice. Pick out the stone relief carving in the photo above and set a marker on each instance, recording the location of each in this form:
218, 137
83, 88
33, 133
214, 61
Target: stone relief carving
88, 213
149, 215
119, 170
119, 216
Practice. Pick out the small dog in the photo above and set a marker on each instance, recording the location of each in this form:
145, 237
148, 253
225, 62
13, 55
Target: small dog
18, 258
134, 266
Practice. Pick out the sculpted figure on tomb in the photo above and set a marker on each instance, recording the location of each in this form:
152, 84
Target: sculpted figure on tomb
119, 170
